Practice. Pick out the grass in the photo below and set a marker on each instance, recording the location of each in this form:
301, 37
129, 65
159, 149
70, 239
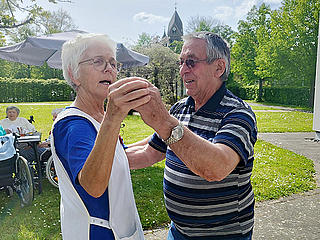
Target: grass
267, 104
284, 121
277, 172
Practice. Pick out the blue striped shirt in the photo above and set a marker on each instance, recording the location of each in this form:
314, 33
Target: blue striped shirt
220, 209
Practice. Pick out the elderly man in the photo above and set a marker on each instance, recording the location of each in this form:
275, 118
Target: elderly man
208, 140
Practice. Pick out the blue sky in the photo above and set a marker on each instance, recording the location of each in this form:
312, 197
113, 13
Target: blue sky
124, 20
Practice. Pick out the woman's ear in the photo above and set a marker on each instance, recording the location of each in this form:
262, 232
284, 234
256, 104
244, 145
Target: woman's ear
73, 79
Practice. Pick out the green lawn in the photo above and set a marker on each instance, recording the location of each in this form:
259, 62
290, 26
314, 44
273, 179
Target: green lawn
284, 121
277, 172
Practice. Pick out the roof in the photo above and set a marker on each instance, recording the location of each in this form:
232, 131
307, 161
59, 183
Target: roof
177, 23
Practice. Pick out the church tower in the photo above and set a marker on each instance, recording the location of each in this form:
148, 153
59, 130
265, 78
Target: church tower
175, 28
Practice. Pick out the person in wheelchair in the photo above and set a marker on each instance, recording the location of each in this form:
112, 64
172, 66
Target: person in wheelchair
20, 125
15, 173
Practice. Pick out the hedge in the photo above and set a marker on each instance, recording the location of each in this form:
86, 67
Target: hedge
298, 96
244, 92
38, 90
34, 90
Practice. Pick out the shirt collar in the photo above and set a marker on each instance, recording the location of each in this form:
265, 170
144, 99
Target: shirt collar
213, 102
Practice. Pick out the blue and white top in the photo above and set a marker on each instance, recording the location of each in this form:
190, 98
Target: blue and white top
111, 216
220, 209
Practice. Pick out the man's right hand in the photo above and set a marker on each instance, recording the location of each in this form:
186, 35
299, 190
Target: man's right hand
155, 114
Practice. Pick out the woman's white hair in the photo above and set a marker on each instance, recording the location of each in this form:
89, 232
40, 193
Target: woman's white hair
72, 51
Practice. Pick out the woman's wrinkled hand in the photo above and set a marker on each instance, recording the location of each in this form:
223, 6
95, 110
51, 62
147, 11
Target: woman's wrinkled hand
126, 94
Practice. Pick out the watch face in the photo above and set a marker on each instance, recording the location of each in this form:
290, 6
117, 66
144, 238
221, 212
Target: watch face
177, 133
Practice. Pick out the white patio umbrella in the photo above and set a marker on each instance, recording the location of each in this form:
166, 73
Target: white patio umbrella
47, 48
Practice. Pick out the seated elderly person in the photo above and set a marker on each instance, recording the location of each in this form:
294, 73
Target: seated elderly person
15, 124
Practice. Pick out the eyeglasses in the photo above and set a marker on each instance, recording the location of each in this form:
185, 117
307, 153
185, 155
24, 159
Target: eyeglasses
100, 64
190, 62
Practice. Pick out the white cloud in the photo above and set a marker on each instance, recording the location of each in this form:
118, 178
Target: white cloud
223, 13
235, 11
149, 18
245, 7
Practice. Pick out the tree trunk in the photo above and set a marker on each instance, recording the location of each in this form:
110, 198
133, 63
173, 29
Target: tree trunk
260, 90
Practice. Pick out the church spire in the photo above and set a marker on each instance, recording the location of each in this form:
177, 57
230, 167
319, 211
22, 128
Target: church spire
175, 28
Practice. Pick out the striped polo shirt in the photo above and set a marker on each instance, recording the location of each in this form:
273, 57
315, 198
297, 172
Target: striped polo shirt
220, 209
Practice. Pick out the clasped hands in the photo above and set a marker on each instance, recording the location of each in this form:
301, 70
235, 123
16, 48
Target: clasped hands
138, 94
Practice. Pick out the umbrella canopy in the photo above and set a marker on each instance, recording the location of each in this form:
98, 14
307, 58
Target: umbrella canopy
38, 50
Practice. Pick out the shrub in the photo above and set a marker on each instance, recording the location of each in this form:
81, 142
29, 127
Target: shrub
34, 90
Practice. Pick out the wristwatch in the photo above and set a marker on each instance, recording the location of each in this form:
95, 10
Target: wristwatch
176, 134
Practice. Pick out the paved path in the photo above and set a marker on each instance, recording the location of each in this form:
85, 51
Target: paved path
298, 216
292, 218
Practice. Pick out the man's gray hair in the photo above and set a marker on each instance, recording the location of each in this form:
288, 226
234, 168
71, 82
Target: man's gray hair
12, 108
217, 48
72, 51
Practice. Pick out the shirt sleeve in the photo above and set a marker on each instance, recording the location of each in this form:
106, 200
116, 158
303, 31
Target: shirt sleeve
74, 138
157, 143
239, 131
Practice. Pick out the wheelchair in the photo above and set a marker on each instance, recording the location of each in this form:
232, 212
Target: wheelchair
15, 173
48, 169
47, 165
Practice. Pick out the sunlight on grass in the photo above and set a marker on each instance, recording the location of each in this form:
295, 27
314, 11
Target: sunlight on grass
278, 172
284, 121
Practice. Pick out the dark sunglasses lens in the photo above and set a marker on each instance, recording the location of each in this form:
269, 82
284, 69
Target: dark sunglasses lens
190, 63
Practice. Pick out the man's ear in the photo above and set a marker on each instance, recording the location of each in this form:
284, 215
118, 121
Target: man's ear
221, 67
73, 79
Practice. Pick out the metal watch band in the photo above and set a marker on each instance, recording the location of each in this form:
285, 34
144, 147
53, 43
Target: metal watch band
175, 137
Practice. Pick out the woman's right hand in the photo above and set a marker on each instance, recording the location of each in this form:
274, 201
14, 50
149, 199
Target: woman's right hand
126, 94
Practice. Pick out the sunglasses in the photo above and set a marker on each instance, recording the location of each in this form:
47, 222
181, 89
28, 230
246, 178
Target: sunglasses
190, 62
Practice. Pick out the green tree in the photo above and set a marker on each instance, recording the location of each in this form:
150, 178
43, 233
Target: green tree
289, 57
247, 41
198, 24
176, 46
10, 9
162, 70
225, 32
201, 23
144, 40
48, 22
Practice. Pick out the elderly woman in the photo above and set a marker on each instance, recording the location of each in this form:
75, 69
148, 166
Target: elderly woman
97, 200
14, 123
